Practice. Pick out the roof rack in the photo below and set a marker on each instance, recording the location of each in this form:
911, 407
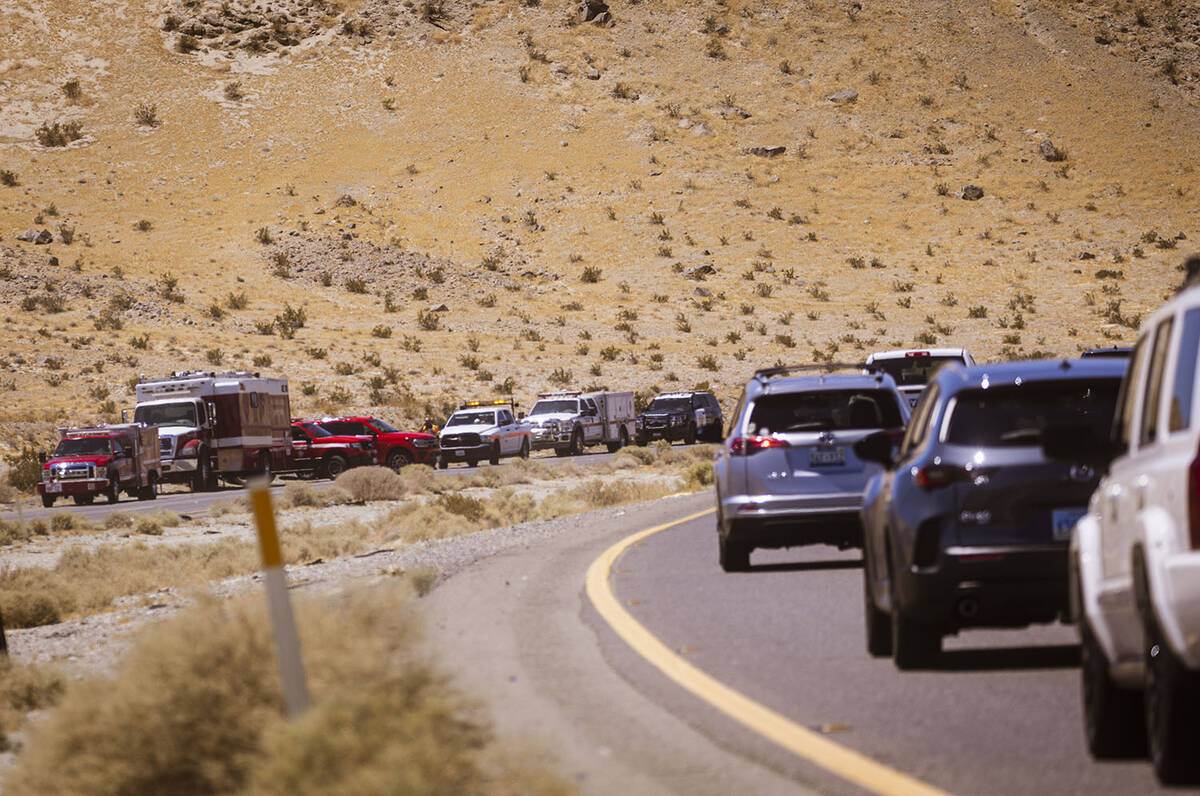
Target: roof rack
826, 367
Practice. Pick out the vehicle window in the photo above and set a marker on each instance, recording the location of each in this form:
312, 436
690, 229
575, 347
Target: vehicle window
555, 406
910, 370
824, 410
737, 410
918, 425
1154, 378
315, 431
506, 418
1122, 431
1015, 416
1185, 373
590, 405
477, 418
83, 446
343, 427
711, 402
382, 427
177, 414
298, 435
669, 405
253, 400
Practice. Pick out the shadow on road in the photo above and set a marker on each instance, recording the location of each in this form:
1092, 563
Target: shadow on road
1058, 656
808, 566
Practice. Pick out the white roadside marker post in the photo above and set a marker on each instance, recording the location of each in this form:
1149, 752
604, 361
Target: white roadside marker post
283, 624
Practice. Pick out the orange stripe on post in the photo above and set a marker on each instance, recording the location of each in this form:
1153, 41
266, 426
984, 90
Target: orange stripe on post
264, 518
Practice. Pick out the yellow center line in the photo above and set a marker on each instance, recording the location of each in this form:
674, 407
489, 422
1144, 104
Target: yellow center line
837, 759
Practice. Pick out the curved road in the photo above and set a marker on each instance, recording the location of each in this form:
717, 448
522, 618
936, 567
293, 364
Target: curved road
1001, 715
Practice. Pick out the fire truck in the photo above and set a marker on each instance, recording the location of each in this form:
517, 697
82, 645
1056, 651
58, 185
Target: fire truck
217, 425
102, 460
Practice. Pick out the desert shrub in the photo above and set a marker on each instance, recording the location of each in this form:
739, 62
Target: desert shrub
643, 455
698, 475
25, 688
299, 493
423, 579
8, 178
24, 469
58, 134
146, 114
118, 519
465, 506
147, 526
365, 484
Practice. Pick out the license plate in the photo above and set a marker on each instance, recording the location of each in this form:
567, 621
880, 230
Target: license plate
829, 457
1063, 520
460, 453
53, 487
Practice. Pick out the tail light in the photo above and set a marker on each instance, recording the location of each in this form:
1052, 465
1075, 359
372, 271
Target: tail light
745, 446
1194, 502
939, 476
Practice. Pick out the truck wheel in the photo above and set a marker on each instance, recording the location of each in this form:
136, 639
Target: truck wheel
622, 441
203, 474
47, 500
494, 456
150, 490
1171, 711
642, 441
1113, 717
264, 466
399, 459
576, 443
472, 462
113, 493
442, 463
335, 464
525, 448
733, 556
689, 436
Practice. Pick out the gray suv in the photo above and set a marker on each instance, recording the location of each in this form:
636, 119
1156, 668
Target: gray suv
787, 474
969, 523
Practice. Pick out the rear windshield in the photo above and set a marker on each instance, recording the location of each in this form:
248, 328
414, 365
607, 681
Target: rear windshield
1017, 416
824, 410
908, 371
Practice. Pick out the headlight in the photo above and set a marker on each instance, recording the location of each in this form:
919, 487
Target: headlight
424, 443
676, 420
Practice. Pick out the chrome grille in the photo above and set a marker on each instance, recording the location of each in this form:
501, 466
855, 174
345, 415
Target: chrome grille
79, 471
460, 440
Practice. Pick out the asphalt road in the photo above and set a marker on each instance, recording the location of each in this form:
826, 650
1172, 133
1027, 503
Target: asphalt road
183, 502
1000, 715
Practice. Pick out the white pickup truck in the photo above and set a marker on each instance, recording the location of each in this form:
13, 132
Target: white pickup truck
568, 421
484, 430
1134, 561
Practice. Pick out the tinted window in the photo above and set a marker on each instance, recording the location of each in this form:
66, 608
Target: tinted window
670, 405
1154, 378
1122, 430
343, 427
824, 410
180, 414
1016, 416
381, 426
316, 431
1185, 373
911, 370
919, 422
298, 435
84, 446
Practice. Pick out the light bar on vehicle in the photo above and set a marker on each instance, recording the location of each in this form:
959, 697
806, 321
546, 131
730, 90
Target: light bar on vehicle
494, 402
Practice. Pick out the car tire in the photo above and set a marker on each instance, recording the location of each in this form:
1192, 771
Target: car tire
879, 623
494, 456
442, 463
80, 500
150, 490
733, 556
113, 493
47, 501
1172, 712
642, 441
399, 459
560, 452
335, 464
525, 448
472, 462
576, 443
689, 436
914, 645
622, 441
1113, 717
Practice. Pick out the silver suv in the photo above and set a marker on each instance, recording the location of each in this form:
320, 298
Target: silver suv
1134, 560
787, 474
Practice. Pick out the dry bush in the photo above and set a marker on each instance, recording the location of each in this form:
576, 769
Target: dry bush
25, 688
197, 709
365, 484
219, 508
147, 526
642, 455
300, 493
515, 471
118, 519
7, 492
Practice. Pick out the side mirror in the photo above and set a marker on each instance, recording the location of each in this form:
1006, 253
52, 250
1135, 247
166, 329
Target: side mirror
124, 415
42, 457
520, 415
212, 413
876, 448
1078, 445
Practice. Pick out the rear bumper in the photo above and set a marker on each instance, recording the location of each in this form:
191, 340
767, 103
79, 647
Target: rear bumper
794, 521
1002, 586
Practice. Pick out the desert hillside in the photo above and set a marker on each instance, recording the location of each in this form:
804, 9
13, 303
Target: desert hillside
401, 204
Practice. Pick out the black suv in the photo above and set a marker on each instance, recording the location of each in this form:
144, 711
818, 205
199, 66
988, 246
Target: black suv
681, 416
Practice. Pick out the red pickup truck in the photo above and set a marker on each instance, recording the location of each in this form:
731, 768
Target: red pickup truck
317, 452
394, 448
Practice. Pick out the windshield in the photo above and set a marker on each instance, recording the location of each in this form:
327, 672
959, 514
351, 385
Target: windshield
670, 405
570, 406
381, 427
476, 418
84, 446
908, 371
180, 414
1016, 416
315, 431
824, 410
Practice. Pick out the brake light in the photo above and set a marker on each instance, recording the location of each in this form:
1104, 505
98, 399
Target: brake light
917, 353
1194, 502
744, 446
938, 476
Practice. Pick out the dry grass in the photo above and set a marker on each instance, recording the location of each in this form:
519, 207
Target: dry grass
197, 708
25, 688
